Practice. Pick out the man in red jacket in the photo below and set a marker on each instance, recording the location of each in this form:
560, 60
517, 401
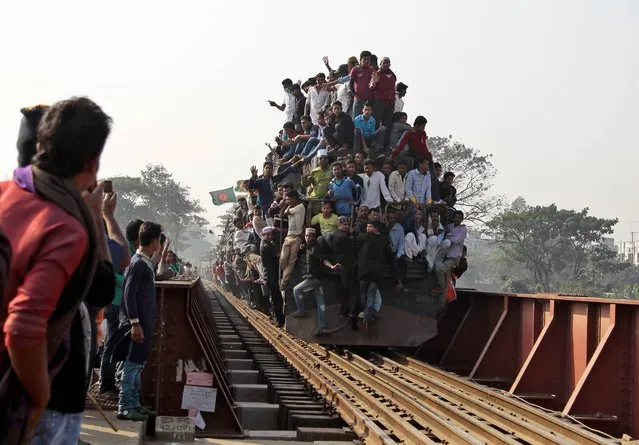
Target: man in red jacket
383, 85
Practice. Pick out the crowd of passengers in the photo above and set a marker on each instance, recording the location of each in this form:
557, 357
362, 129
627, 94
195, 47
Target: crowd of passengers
349, 189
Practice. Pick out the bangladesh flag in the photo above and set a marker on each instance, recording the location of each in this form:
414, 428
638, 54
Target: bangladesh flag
220, 197
240, 187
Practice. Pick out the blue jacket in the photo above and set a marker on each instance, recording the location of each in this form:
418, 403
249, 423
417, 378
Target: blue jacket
264, 187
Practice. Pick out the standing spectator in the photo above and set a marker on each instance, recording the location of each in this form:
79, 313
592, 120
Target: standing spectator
120, 260
374, 186
344, 94
288, 104
295, 211
360, 82
318, 97
339, 132
383, 85
137, 315
418, 183
59, 247
299, 104
397, 182
447, 191
270, 261
397, 239
342, 190
312, 271
371, 259
28, 133
343, 251
327, 220
456, 235
367, 138
399, 97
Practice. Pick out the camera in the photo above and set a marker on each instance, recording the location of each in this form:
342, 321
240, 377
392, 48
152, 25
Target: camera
162, 238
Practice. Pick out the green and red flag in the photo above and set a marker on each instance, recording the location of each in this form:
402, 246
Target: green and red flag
240, 187
220, 197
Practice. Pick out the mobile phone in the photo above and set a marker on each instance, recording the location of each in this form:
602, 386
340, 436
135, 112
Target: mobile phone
108, 186
162, 238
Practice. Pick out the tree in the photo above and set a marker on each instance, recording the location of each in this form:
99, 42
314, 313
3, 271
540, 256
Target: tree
474, 174
561, 249
157, 196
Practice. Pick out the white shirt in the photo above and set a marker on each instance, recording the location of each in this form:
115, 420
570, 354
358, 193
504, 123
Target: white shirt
317, 101
373, 186
397, 186
289, 104
344, 96
240, 238
296, 219
399, 103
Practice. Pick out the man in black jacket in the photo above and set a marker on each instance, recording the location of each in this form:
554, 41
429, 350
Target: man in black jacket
340, 131
374, 252
313, 263
270, 254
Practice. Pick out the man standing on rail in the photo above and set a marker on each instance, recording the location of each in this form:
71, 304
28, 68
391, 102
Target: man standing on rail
295, 211
270, 259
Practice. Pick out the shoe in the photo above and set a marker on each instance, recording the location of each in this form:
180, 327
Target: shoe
132, 414
146, 411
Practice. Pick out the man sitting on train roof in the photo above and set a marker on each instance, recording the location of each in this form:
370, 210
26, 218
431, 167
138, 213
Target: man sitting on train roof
456, 236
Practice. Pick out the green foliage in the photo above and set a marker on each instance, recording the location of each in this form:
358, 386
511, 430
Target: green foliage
474, 174
561, 250
157, 196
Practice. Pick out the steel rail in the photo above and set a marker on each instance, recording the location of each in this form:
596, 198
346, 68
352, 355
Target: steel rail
415, 403
380, 410
344, 403
430, 376
430, 411
477, 413
383, 400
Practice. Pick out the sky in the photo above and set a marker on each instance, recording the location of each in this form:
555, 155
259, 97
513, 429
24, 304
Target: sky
550, 88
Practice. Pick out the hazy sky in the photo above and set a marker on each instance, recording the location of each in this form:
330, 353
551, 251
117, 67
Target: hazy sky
550, 88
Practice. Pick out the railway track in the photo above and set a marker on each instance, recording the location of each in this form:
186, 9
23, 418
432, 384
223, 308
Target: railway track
393, 402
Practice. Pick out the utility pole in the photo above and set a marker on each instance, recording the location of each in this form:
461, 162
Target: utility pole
632, 240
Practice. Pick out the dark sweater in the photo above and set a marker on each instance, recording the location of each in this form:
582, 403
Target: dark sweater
138, 301
69, 387
374, 251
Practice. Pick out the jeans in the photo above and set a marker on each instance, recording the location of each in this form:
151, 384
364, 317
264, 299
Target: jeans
368, 294
56, 428
131, 384
309, 147
358, 106
107, 369
307, 285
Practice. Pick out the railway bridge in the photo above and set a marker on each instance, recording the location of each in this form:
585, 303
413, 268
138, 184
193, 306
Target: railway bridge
502, 369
